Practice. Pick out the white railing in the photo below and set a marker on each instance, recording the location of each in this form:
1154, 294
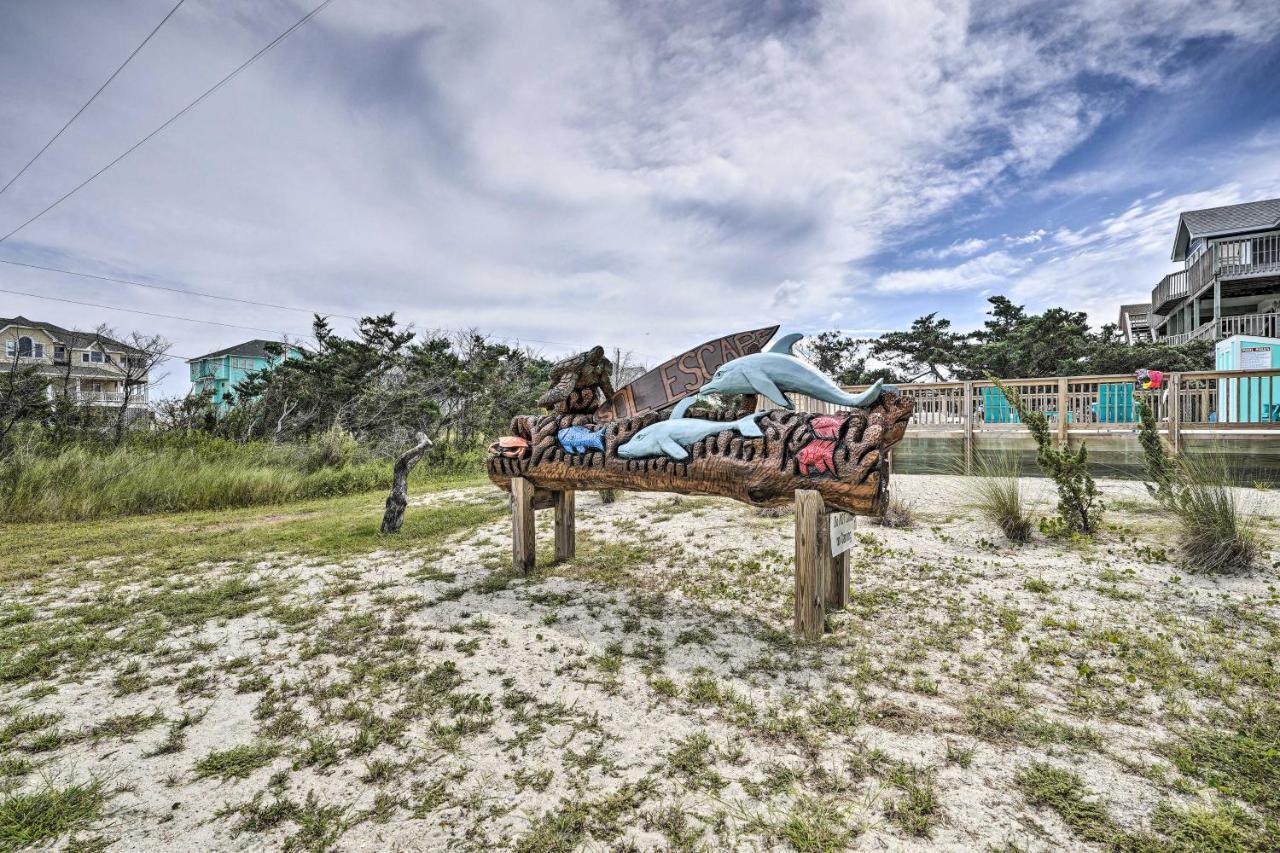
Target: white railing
111, 398
1256, 325
1244, 257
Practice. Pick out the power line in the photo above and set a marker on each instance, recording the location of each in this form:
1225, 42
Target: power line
183, 291
146, 313
92, 98
300, 22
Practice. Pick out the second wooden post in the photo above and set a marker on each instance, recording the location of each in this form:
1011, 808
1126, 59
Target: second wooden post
565, 525
523, 547
812, 564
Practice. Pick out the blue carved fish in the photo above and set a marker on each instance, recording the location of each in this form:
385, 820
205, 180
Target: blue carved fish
577, 440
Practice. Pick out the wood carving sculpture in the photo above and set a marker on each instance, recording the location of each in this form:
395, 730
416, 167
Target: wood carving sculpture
822, 462
761, 459
583, 383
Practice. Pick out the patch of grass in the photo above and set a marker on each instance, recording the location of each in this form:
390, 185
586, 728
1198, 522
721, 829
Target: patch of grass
238, 762
992, 720
816, 825
1217, 827
995, 491
37, 817
918, 806
693, 761
1242, 760
576, 821
1065, 792
323, 528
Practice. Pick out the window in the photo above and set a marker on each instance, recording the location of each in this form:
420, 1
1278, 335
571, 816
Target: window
95, 356
97, 387
37, 350
84, 357
59, 352
24, 347
10, 348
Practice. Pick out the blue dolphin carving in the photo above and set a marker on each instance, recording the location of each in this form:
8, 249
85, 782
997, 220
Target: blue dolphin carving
673, 437
777, 370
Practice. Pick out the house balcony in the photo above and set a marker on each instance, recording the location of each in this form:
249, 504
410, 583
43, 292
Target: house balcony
1253, 325
1171, 290
1255, 256
137, 399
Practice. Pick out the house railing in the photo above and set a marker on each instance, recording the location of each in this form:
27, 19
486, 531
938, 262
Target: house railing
1244, 257
1257, 325
1204, 402
1171, 288
111, 398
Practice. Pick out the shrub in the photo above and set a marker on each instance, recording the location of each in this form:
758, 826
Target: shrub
897, 513
995, 491
1216, 532
1079, 502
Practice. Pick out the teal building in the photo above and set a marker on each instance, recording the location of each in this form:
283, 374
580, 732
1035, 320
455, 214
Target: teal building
221, 371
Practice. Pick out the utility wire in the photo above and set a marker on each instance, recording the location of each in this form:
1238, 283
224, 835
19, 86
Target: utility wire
92, 98
172, 289
147, 313
216, 86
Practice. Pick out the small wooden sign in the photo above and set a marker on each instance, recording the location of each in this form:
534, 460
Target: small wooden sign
683, 375
843, 526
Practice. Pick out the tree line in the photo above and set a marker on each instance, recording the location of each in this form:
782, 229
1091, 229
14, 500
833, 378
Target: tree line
1012, 344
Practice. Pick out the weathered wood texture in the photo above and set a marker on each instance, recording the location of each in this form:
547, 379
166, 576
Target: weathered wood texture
812, 560
762, 471
393, 515
565, 525
836, 593
523, 546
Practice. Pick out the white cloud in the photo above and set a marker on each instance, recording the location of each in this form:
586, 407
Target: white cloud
994, 270
635, 174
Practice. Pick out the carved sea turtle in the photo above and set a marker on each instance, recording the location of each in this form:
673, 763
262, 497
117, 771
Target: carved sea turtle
581, 383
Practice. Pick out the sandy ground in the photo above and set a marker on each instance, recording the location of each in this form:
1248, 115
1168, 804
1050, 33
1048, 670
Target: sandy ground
650, 695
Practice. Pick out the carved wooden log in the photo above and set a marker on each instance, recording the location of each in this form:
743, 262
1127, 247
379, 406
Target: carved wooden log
841, 456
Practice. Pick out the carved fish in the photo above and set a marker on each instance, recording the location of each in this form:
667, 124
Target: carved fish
776, 371
577, 440
673, 437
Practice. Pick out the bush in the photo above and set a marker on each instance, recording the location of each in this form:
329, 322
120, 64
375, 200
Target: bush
1079, 502
995, 491
1216, 532
897, 513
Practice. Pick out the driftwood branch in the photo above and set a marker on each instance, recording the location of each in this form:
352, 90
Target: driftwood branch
393, 517
844, 457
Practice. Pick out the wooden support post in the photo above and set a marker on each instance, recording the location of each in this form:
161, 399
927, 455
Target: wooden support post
968, 428
810, 563
523, 547
1062, 410
1175, 412
564, 525
836, 587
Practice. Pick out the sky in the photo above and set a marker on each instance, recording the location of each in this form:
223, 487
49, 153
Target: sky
639, 175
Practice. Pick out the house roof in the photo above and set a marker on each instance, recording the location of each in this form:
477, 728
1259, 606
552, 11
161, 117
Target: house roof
1137, 309
71, 338
256, 348
1218, 221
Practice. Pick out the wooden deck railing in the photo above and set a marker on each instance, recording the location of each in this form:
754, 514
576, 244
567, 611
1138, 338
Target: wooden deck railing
1168, 292
1245, 257
1201, 402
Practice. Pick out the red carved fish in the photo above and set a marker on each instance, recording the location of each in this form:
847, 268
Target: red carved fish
818, 454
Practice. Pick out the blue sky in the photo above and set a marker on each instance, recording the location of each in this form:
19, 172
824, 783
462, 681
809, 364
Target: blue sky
639, 175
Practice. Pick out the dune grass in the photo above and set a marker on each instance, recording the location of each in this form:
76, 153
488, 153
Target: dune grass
84, 482
328, 527
995, 491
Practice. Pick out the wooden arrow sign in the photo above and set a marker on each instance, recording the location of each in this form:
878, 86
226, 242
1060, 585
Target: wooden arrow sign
683, 375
